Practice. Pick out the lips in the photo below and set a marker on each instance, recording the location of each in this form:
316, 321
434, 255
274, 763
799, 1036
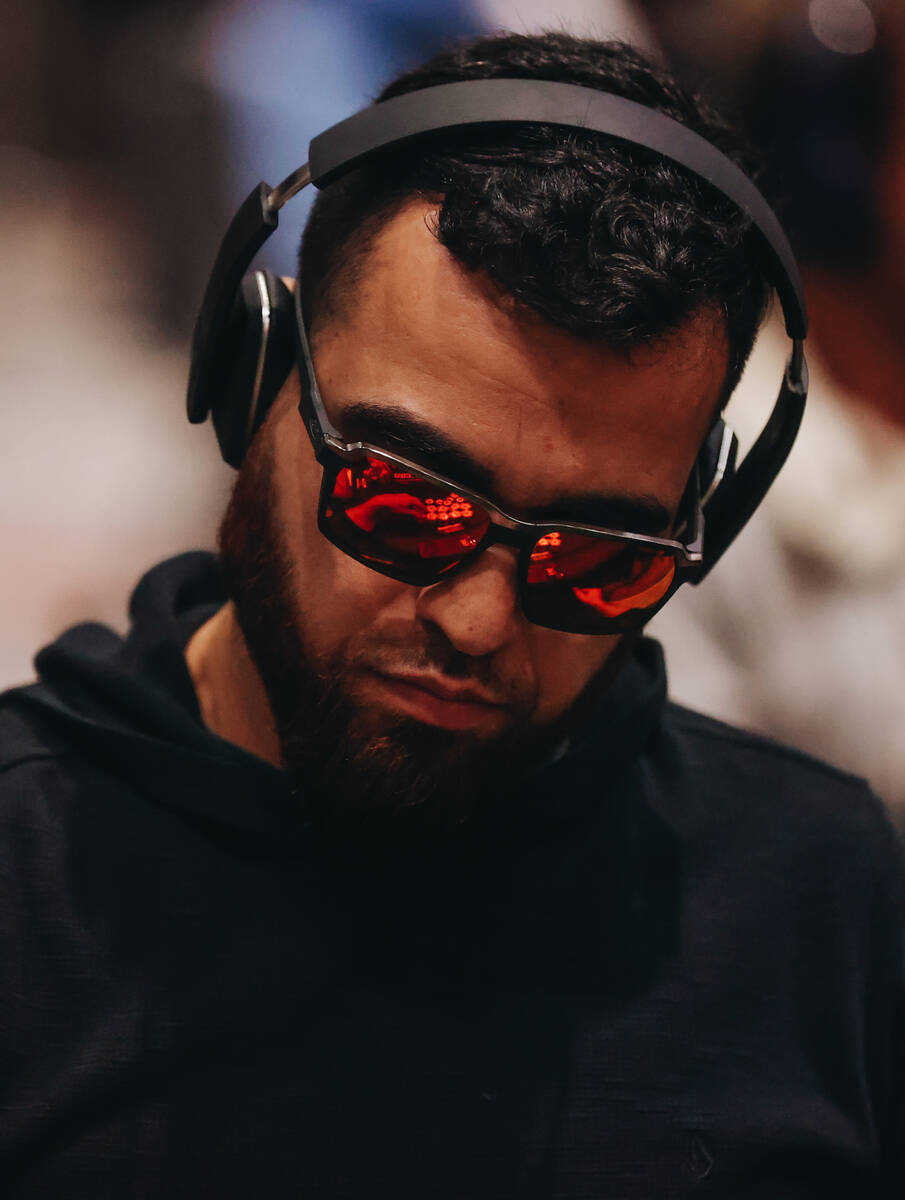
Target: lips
446, 690
437, 701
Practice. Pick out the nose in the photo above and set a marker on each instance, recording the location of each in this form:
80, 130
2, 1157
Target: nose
478, 607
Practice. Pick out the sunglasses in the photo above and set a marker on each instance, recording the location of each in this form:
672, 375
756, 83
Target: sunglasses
409, 523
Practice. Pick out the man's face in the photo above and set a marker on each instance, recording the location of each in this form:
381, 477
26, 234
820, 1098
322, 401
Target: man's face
538, 419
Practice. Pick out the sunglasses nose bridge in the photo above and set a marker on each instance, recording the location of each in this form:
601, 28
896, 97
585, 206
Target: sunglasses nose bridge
503, 532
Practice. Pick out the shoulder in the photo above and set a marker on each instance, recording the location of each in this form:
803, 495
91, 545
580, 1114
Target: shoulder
26, 735
709, 738
707, 741
81, 838
747, 794
46, 775
52, 778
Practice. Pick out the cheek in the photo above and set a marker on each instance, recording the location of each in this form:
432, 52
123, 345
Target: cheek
335, 596
341, 600
564, 665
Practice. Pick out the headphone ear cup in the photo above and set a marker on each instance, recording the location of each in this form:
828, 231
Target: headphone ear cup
255, 356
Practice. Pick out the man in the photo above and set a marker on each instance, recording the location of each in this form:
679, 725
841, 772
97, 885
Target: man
386, 871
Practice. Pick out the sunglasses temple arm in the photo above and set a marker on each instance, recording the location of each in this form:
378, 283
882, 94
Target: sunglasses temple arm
311, 404
739, 495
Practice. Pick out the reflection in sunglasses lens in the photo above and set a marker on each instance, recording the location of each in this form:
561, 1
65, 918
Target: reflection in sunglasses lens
397, 516
607, 576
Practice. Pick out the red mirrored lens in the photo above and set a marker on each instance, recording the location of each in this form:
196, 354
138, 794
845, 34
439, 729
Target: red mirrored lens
401, 519
601, 575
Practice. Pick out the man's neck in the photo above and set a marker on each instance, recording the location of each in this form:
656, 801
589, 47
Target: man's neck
854, 328
230, 694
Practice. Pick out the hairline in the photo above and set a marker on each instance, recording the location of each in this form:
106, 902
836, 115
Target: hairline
336, 293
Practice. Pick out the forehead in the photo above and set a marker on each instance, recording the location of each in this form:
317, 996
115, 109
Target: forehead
544, 413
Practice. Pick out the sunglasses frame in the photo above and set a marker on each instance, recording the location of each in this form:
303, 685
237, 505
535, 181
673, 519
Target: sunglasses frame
333, 454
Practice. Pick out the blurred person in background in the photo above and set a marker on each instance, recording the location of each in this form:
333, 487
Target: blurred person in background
123, 128
110, 166
373, 861
286, 69
803, 635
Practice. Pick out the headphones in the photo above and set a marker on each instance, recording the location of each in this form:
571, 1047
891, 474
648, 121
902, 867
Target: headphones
243, 347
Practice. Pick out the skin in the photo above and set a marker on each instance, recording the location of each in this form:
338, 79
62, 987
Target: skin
548, 416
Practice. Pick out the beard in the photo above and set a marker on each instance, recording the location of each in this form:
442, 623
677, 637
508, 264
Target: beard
372, 783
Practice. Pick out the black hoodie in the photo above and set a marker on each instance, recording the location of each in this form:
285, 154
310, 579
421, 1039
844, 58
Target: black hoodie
674, 969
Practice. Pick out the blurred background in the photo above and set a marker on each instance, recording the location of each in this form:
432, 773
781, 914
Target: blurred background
130, 130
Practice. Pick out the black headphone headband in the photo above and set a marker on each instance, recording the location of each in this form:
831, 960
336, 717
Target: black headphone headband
485, 102
448, 107
228, 381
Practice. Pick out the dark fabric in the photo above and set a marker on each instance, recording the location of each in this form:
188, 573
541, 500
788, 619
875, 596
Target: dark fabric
673, 967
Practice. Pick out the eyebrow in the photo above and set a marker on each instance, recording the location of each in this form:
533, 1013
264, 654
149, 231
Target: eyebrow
391, 428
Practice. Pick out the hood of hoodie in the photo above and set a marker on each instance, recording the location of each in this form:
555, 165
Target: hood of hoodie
583, 824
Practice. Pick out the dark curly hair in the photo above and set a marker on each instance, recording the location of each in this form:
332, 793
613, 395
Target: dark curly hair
602, 238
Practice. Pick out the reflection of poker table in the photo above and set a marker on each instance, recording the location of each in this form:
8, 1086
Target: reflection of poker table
385, 502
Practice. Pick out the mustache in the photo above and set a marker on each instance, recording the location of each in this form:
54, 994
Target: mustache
421, 649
